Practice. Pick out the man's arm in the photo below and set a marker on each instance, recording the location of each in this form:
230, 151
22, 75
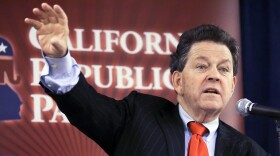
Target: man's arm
100, 117
61, 72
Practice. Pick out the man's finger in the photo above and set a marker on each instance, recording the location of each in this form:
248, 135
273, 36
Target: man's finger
49, 11
43, 17
34, 23
60, 13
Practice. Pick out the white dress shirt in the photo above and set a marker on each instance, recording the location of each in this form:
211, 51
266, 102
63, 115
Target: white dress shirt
209, 138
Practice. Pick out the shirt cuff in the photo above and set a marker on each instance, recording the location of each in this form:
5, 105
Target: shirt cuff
60, 75
56, 66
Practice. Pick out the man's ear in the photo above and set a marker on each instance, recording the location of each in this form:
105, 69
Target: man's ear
176, 79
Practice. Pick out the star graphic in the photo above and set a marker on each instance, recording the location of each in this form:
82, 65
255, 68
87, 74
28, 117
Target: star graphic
3, 48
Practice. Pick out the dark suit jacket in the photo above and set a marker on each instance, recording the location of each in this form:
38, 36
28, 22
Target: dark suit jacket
140, 124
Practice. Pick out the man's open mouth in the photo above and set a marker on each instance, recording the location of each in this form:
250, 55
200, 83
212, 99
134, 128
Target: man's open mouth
213, 91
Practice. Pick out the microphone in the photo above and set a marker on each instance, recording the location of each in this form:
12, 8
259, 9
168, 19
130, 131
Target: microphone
246, 107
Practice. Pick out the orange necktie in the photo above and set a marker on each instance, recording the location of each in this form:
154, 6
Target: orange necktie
197, 146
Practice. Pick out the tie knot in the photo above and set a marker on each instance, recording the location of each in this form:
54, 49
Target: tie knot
197, 128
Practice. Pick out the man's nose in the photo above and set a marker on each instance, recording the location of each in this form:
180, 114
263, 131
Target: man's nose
213, 75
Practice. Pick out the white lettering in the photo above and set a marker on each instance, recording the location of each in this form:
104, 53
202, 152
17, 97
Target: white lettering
33, 38
97, 76
138, 42
79, 41
124, 79
42, 103
139, 79
170, 39
166, 79
37, 64
45, 104
110, 40
157, 84
153, 42
85, 70
56, 114
97, 40
130, 42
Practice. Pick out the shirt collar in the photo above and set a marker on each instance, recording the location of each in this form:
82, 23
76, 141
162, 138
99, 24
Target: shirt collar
212, 126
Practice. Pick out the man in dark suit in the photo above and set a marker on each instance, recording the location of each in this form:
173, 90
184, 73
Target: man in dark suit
203, 68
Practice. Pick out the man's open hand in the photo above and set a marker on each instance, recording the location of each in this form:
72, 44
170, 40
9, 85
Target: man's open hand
52, 29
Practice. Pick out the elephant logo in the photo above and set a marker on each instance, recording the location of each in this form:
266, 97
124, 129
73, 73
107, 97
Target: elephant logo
9, 100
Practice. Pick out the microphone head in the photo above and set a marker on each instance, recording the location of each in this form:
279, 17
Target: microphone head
243, 106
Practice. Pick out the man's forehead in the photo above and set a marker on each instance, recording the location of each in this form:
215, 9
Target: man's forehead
207, 48
207, 58
207, 55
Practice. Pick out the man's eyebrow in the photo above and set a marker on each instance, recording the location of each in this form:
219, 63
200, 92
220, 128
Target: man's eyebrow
225, 61
201, 58
206, 59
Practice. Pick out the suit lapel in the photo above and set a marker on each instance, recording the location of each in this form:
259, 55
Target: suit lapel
223, 141
173, 129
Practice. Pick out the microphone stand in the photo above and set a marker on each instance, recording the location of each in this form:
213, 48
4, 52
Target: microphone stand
277, 122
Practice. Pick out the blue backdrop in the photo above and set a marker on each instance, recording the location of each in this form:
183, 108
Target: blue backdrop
260, 47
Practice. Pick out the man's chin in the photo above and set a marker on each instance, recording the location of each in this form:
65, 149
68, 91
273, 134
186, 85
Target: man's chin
211, 105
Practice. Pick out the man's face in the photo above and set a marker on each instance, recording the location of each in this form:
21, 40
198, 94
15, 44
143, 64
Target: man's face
206, 84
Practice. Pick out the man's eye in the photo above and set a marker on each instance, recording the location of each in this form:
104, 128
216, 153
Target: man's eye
201, 67
224, 70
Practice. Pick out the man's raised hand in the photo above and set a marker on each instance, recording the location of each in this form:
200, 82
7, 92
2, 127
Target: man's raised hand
52, 29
